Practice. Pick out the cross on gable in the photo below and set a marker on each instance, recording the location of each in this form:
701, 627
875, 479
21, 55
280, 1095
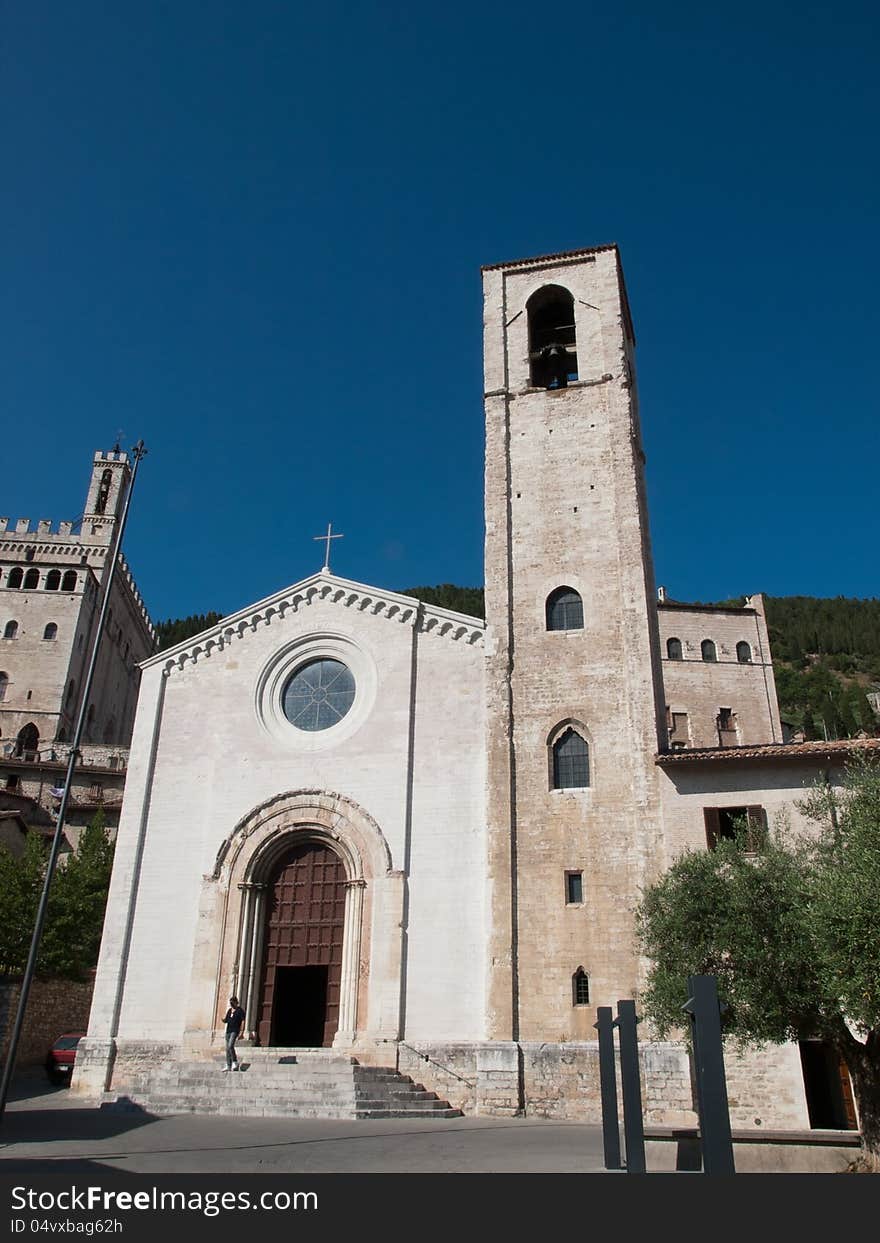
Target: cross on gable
327, 538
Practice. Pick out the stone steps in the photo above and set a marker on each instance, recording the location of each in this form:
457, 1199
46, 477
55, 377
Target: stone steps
277, 1083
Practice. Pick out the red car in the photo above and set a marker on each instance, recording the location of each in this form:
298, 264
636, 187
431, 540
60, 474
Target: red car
60, 1058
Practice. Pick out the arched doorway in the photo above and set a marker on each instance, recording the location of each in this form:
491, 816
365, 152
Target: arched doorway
298, 1002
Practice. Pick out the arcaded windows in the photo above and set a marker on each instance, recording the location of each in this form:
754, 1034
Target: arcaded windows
32, 579
68, 583
15, 576
673, 649
552, 346
745, 825
53, 580
571, 762
565, 610
744, 653
707, 648
11, 631
50, 633
4, 685
580, 988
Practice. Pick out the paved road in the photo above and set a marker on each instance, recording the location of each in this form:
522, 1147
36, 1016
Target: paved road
46, 1130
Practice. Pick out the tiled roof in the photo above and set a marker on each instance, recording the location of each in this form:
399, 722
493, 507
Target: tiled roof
705, 608
563, 254
779, 751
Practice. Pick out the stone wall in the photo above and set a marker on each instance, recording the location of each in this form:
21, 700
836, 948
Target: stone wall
54, 1007
546, 1080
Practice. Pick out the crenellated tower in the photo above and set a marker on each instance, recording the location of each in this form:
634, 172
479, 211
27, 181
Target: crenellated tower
575, 704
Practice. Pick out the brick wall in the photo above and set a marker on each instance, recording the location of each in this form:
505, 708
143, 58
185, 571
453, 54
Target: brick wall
54, 1006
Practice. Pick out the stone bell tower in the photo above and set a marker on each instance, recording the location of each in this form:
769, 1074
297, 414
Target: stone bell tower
111, 473
573, 680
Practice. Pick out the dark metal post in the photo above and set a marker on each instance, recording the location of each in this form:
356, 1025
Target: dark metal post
633, 1127
608, 1089
705, 1015
30, 969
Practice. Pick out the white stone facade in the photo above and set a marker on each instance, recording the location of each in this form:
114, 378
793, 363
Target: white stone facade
495, 797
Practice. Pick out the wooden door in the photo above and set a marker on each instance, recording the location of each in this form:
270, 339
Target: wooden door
302, 949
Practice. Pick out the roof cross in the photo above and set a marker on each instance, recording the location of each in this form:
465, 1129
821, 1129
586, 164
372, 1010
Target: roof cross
327, 538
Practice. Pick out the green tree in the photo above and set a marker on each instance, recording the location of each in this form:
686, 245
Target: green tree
792, 935
75, 913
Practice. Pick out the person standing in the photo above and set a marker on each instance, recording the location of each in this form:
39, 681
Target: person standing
234, 1020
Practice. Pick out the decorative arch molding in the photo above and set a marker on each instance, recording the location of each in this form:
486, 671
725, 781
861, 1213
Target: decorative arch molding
228, 956
318, 814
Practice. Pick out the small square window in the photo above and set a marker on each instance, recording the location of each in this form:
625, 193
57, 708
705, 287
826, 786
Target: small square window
574, 888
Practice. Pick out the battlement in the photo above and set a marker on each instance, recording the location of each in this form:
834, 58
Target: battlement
44, 527
136, 595
113, 455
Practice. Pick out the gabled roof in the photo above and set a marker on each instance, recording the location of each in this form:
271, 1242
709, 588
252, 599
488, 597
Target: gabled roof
407, 610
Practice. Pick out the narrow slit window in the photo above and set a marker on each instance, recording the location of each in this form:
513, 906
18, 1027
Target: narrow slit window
574, 888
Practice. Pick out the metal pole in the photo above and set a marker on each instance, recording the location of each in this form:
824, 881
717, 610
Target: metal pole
705, 1014
30, 969
608, 1089
633, 1127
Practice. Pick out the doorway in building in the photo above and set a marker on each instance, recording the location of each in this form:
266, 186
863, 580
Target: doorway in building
299, 1012
302, 949
827, 1087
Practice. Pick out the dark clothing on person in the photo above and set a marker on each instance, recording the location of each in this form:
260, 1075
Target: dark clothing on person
234, 1020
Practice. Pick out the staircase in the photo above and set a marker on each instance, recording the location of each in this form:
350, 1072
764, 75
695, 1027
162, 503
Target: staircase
295, 1083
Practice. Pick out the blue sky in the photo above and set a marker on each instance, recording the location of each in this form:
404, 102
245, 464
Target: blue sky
251, 234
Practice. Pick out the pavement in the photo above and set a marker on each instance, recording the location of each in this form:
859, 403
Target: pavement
47, 1130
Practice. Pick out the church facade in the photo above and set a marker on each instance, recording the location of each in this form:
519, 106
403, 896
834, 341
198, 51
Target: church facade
419, 837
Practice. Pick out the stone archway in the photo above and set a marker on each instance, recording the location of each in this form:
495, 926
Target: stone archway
235, 913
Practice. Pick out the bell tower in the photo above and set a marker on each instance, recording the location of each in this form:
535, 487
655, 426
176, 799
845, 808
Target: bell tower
575, 702
106, 495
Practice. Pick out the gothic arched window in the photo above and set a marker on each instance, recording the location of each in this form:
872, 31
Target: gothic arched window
68, 583
707, 648
53, 580
580, 988
27, 742
571, 762
32, 578
552, 346
51, 632
565, 610
15, 576
744, 653
673, 649
11, 631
